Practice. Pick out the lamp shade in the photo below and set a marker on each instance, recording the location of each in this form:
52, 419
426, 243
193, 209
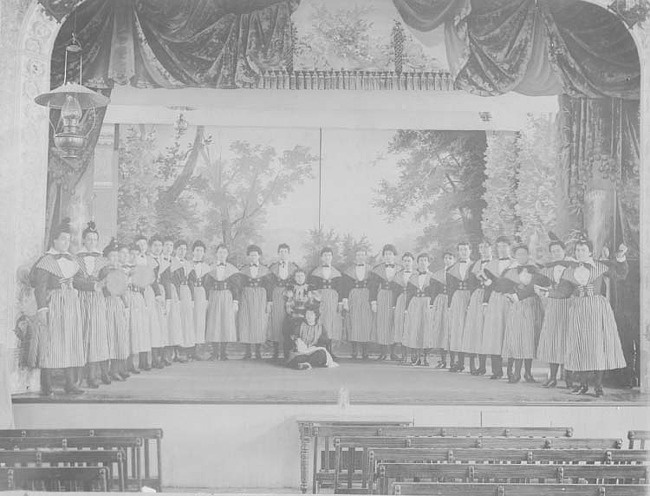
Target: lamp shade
86, 97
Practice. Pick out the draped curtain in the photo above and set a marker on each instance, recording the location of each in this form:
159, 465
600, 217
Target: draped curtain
161, 44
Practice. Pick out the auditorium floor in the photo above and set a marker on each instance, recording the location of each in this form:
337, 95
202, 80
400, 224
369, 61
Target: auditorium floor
368, 382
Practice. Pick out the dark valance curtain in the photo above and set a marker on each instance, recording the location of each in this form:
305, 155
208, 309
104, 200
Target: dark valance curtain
178, 43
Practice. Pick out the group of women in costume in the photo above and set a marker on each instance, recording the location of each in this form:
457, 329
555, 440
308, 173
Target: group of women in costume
498, 307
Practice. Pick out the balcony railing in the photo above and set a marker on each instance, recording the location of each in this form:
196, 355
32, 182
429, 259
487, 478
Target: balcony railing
355, 80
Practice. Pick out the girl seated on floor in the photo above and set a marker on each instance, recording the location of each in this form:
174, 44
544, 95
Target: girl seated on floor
307, 343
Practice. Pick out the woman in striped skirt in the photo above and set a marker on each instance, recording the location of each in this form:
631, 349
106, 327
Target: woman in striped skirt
222, 287
198, 270
139, 337
592, 342
473, 330
418, 324
256, 297
401, 280
281, 275
382, 302
180, 271
359, 320
525, 316
497, 307
552, 340
93, 311
460, 292
117, 319
440, 313
326, 282
56, 277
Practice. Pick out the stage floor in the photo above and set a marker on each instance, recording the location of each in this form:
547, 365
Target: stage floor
369, 382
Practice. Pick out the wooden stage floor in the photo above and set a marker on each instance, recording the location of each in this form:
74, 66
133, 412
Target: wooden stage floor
369, 382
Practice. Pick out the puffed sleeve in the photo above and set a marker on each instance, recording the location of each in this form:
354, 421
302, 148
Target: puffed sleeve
411, 290
346, 284
39, 281
82, 282
166, 282
434, 289
374, 283
235, 283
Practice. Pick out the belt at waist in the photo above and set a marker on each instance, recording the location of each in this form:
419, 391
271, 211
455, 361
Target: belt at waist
583, 291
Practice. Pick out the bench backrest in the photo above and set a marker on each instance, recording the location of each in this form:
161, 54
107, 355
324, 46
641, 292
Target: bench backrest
139, 433
63, 442
495, 489
437, 431
638, 439
54, 478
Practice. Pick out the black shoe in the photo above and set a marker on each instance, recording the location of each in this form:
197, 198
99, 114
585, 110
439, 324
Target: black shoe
529, 378
124, 375
452, 368
92, 384
73, 390
460, 369
106, 380
551, 383
514, 379
394, 357
417, 363
481, 371
580, 390
381, 358
116, 377
598, 392
441, 365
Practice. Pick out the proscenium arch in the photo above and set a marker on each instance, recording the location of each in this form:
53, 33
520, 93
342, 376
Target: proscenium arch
37, 35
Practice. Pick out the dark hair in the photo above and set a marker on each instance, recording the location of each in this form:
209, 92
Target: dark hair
408, 254
299, 271
463, 243
155, 238
63, 227
110, 247
521, 247
283, 245
327, 249
556, 242
220, 246
168, 239
253, 248
91, 228
390, 248
180, 242
140, 237
448, 253
586, 242
423, 255
502, 239
198, 244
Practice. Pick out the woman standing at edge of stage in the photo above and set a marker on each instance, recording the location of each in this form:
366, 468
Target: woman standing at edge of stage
473, 330
422, 290
552, 340
593, 344
326, 281
139, 338
198, 270
180, 270
440, 313
56, 277
93, 310
383, 295
525, 316
459, 287
498, 305
222, 287
401, 280
281, 275
256, 297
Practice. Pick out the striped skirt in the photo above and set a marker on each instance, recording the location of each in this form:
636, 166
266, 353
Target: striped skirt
220, 318
138, 323
95, 329
440, 322
383, 330
473, 330
329, 314
174, 321
418, 324
277, 316
155, 319
592, 339
400, 308
457, 312
494, 324
360, 319
187, 316
117, 320
61, 344
522, 328
252, 318
200, 314
552, 339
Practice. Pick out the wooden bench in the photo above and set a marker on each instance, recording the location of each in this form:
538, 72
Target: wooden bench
377, 456
54, 478
475, 472
357, 463
147, 436
128, 445
494, 489
436, 431
637, 439
114, 460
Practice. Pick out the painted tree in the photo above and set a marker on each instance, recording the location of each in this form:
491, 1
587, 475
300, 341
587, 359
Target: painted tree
344, 248
502, 164
441, 175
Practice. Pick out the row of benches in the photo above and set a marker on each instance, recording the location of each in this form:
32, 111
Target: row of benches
81, 459
394, 459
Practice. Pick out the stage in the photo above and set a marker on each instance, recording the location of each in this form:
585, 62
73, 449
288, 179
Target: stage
239, 381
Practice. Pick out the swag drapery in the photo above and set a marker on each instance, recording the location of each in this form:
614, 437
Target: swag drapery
163, 44
586, 55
